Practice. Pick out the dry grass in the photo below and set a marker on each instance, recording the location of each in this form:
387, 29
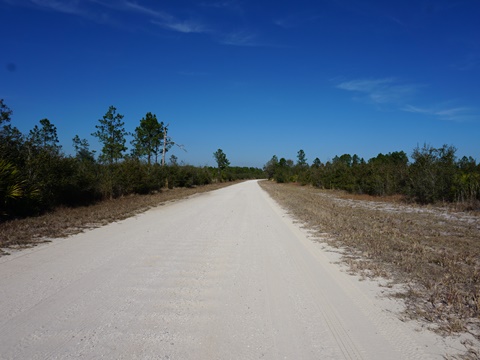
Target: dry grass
434, 252
67, 221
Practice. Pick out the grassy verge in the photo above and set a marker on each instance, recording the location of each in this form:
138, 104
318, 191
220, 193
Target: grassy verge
67, 221
434, 252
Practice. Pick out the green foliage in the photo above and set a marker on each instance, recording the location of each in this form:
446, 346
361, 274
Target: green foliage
148, 138
245, 173
271, 167
111, 133
35, 176
434, 174
13, 189
302, 169
385, 174
284, 171
5, 113
189, 176
82, 149
301, 158
222, 162
44, 137
316, 163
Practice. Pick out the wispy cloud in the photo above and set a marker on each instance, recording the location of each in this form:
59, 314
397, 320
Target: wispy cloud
392, 92
78, 8
185, 27
71, 7
239, 38
380, 91
144, 10
116, 12
296, 20
68, 7
102, 10
233, 5
459, 114
167, 20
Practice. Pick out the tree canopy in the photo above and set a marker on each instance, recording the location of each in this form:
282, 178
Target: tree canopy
148, 138
111, 134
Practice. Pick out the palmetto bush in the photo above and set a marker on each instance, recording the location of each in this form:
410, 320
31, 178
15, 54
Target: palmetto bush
15, 193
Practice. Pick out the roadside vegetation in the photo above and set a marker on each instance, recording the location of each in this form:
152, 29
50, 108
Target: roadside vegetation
45, 193
432, 175
433, 252
37, 177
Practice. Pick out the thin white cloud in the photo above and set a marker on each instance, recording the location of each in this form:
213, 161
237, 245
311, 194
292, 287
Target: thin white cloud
392, 92
81, 8
225, 4
185, 27
296, 20
239, 38
168, 21
244, 38
69, 7
416, 109
380, 91
109, 11
147, 11
451, 113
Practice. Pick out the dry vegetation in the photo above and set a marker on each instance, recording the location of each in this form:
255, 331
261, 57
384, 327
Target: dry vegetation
66, 221
433, 252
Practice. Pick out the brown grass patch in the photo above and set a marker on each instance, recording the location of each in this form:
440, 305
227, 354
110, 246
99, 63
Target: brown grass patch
62, 222
434, 252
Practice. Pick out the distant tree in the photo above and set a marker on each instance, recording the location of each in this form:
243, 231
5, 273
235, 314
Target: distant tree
148, 137
12, 144
5, 113
173, 160
467, 181
222, 161
271, 166
356, 160
111, 133
11, 139
467, 164
345, 159
316, 163
82, 149
432, 174
167, 143
283, 171
44, 137
45, 167
301, 159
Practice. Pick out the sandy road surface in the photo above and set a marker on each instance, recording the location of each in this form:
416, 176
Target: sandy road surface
222, 275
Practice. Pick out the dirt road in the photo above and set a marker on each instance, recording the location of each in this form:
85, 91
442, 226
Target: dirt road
222, 275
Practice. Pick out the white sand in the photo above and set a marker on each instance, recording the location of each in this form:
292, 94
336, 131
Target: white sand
222, 275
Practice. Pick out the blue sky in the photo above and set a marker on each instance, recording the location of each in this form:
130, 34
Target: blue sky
254, 78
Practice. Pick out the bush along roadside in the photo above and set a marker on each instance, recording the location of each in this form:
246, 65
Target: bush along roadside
36, 176
431, 175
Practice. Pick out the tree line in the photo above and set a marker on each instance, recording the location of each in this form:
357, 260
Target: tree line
432, 175
37, 176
